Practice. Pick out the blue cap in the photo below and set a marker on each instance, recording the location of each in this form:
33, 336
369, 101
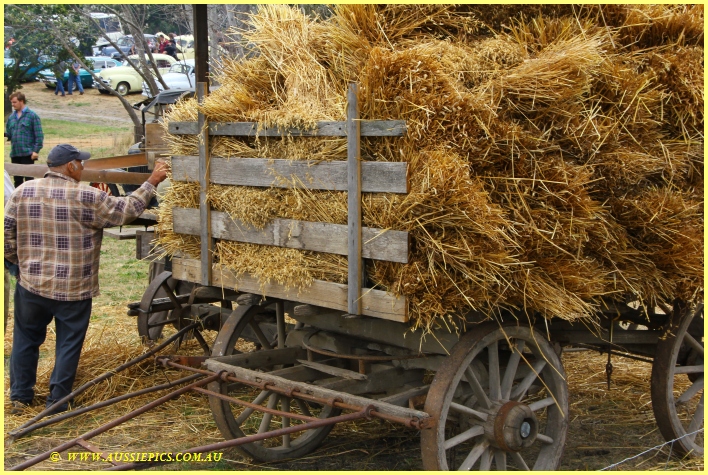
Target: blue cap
65, 153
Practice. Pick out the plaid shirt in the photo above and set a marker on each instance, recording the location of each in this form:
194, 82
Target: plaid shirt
25, 133
54, 228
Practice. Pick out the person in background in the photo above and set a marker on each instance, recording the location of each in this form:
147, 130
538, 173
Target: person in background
74, 77
59, 69
161, 43
24, 130
53, 232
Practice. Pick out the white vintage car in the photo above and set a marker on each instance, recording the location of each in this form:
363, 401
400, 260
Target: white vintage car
125, 79
180, 76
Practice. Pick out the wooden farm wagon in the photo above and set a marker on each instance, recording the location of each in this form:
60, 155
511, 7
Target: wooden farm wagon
494, 397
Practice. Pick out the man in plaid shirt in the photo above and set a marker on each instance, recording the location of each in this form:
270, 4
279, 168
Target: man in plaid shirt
24, 130
53, 231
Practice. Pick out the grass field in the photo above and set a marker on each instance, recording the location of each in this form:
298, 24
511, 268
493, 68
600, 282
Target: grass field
98, 139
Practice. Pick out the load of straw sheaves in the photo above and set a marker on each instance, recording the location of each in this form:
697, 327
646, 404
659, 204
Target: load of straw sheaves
556, 154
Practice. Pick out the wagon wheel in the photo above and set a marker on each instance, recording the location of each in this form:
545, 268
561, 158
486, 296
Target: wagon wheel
677, 381
234, 421
501, 402
174, 313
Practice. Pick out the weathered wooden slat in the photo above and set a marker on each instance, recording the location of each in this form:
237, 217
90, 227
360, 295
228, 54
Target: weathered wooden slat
207, 243
98, 176
376, 177
369, 128
260, 377
355, 264
375, 303
340, 372
379, 244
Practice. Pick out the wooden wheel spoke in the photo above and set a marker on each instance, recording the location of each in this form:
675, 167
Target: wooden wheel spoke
518, 459
260, 335
511, 368
688, 369
537, 405
494, 379
696, 421
267, 417
468, 410
248, 411
170, 294
693, 343
544, 439
690, 392
500, 460
474, 454
466, 435
485, 461
285, 406
304, 408
477, 388
519, 392
202, 342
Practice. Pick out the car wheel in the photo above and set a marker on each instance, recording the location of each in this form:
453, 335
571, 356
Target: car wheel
123, 88
103, 91
49, 86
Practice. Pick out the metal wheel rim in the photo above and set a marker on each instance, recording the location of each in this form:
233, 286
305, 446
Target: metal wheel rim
122, 89
677, 419
486, 454
148, 323
224, 417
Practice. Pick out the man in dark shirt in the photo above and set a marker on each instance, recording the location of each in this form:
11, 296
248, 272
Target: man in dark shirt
24, 131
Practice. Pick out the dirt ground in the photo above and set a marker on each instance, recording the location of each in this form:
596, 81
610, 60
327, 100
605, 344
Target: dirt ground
92, 107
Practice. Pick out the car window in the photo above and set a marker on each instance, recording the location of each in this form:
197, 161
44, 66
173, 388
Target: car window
163, 63
110, 64
179, 68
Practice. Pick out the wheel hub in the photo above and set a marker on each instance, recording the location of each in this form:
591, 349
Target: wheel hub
513, 427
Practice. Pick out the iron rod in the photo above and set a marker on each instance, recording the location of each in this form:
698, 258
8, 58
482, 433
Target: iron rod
363, 414
103, 377
116, 422
83, 410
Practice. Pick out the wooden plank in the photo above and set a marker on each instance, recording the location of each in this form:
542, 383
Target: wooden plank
97, 176
155, 138
259, 377
369, 128
355, 264
375, 303
377, 330
263, 358
122, 161
207, 243
121, 233
379, 244
339, 372
376, 177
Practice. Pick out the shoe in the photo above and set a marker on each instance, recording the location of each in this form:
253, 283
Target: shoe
18, 407
81, 93
70, 94
63, 95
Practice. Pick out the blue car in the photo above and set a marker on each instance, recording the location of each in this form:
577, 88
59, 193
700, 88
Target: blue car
99, 64
30, 74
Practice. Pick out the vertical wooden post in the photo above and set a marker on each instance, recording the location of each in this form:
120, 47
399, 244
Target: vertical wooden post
204, 209
355, 263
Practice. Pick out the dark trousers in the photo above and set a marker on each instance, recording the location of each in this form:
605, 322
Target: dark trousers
33, 313
26, 160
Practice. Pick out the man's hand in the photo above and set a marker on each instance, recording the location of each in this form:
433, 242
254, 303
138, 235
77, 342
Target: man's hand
159, 173
35, 155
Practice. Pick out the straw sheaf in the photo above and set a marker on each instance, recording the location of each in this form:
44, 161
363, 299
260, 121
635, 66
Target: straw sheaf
553, 166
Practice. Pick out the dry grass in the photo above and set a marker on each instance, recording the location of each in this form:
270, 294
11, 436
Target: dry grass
551, 160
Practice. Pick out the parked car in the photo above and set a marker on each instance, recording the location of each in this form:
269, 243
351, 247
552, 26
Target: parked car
125, 79
126, 46
180, 76
99, 63
29, 73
